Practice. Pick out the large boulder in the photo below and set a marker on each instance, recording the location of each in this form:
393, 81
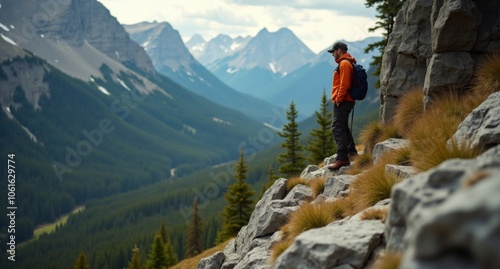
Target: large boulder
434, 45
481, 128
425, 191
342, 243
464, 229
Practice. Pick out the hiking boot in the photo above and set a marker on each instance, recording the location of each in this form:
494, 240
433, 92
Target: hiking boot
338, 163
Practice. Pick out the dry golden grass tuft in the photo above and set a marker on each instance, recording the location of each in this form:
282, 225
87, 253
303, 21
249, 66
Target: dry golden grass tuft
317, 186
346, 205
375, 132
373, 185
443, 152
374, 213
278, 248
191, 263
409, 109
388, 261
401, 156
360, 163
430, 133
429, 146
475, 178
487, 80
370, 135
309, 216
389, 130
294, 181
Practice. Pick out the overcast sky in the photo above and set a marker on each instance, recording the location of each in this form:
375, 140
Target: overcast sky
318, 23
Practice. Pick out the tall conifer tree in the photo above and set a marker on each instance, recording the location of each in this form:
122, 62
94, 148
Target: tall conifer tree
322, 144
81, 262
157, 258
194, 244
169, 249
239, 203
387, 12
293, 160
270, 182
135, 260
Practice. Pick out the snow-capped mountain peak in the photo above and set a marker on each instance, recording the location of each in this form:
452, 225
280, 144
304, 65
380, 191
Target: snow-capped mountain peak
216, 48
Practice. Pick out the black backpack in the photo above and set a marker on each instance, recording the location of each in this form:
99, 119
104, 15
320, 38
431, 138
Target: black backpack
359, 82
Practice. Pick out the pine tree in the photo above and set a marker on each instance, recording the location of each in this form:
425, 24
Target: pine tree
135, 260
157, 258
194, 244
270, 182
81, 262
292, 161
169, 249
239, 203
322, 144
387, 12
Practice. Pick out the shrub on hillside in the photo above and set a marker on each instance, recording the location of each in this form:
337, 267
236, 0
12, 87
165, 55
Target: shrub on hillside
279, 247
294, 181
430, 133
374, 213
487, 80
375, 133
373, 185
360, 163
410, 107
317, 186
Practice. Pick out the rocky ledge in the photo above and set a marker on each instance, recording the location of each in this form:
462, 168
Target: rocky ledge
446, 217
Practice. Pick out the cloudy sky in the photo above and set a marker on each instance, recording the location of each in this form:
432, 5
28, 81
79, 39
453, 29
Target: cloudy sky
318, 23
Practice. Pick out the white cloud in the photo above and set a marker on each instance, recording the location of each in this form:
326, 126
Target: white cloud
317, 23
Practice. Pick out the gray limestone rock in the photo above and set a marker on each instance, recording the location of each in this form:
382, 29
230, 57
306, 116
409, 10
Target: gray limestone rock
401, 171
213, 262
338, 244
481, 128
434, 45
388, 145
335, 185
463, 229
414, 196
309, 169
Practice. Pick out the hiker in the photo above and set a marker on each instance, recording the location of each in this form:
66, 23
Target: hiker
343, 104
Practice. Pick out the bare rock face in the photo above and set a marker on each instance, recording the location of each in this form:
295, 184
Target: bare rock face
341, 243
482, 127
77, 22
435, 45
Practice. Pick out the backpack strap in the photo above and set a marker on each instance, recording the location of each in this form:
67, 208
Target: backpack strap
338, 66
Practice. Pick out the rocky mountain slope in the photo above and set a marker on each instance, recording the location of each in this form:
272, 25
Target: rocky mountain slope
87, 115
303, 81
207, 52
436, 218
171, 58
445, 217
265, 58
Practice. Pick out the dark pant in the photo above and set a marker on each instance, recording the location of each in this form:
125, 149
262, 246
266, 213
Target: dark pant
340, 129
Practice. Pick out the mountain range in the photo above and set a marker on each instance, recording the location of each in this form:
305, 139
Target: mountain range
217, 48
171, 58
92, 109
275, 67
88, 116
287, 72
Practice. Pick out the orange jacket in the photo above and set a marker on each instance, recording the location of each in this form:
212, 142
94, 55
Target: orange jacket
342, 82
